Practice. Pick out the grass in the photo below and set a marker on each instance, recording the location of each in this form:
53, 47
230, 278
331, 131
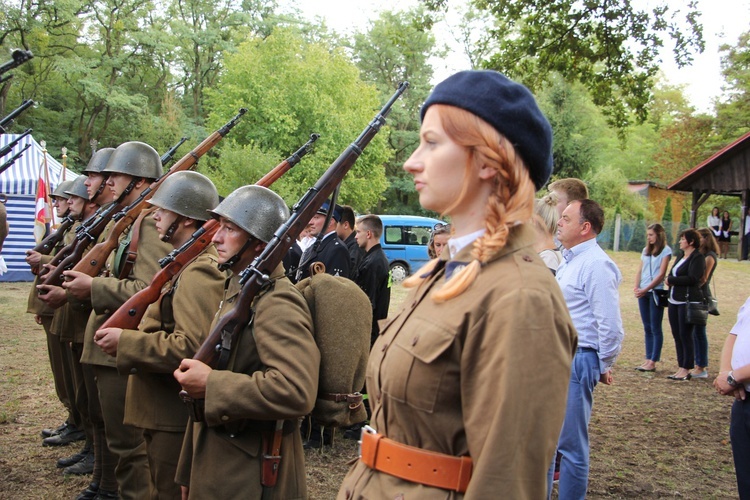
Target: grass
650, 437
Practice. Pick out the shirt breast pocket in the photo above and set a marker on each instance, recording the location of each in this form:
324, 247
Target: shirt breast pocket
419, 363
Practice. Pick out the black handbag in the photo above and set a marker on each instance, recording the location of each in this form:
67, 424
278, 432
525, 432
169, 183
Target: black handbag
713, 303
697, 312
661, 297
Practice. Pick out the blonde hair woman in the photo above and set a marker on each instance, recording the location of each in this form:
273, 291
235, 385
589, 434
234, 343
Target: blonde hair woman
468, 380
545, 220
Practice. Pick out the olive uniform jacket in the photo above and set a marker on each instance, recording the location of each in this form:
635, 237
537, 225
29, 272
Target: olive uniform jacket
109, 293
484, 374
34, 305
173, 328
70, 320
272, 374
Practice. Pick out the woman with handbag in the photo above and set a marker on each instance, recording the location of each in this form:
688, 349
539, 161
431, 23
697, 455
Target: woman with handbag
649, 278
684, 281
709, 248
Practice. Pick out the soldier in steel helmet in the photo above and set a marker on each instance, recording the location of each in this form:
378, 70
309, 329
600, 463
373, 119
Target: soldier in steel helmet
69, 323
172, 328
71, 430
131, 168
271, 374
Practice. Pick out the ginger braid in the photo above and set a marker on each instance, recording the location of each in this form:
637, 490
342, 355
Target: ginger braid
510, 204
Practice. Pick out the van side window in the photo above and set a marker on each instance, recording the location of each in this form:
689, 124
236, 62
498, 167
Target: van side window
393, 235
422, 235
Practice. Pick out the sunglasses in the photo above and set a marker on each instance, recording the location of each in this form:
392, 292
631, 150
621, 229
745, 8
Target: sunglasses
439, 225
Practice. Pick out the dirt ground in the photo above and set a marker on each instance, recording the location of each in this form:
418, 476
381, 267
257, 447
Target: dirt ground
651, 437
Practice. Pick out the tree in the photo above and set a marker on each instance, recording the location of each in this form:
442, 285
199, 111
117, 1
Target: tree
638, 239
612, 48
573, 147
293, 88
667, 221
609, 187
733, 115
393, 50
681, 146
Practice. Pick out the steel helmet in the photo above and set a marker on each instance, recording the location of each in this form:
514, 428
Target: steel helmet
98, 161
187, 193
136, 159
78, 188
257, 210
60, 190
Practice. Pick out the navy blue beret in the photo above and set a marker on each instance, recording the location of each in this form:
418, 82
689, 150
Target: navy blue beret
506, 105
323, 210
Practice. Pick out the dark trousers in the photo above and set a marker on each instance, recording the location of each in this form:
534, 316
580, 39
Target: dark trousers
739, 432
682, 332
745, 244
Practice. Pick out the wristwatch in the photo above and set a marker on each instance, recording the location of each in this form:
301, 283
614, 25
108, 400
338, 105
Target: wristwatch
731, 380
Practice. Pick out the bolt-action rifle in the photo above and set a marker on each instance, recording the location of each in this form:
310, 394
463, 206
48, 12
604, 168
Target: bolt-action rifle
18, 58
94, 260
256, 276
8, 120
129, 315
5, 166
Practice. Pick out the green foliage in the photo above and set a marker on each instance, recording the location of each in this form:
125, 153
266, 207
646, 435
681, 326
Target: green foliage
666, 221
293, 88
610, 47
638, 239
393, 50
733, 115
609, 188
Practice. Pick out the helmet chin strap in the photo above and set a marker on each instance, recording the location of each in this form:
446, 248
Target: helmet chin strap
236, 257
130, 188
101, 189
172, 228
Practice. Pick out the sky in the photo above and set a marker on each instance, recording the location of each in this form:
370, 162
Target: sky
723, 22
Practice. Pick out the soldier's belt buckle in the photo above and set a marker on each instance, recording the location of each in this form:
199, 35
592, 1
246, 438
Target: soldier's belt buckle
365, 429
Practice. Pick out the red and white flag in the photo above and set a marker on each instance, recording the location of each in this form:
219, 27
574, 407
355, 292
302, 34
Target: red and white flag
43, 207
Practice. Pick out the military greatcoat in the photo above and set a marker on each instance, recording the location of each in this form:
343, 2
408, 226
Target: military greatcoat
272, 374
484, 374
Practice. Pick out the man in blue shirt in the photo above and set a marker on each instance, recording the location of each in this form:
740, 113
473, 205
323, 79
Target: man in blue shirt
589, 280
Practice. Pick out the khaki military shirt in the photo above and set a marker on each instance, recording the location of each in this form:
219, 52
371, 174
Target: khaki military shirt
272, 374
173, 328
484, 374
109, 293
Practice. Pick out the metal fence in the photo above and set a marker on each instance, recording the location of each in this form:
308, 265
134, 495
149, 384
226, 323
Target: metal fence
631, 236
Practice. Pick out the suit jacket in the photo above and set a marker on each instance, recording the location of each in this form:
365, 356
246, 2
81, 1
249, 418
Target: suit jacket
688, 278
374, 278
173, 328
109, 293
332, 253
356, 254
272, 374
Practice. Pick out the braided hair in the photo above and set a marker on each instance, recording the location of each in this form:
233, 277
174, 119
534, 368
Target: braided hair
511, 202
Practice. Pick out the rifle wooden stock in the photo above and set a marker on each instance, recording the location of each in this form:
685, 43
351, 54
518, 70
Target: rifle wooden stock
48, 243
256, 276
129, 315
70, 254
94, 260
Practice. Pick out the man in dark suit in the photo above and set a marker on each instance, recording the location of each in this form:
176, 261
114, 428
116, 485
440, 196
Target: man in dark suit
374, 276
328, 247
345, 231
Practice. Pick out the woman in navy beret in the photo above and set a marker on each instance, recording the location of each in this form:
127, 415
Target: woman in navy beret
468, 380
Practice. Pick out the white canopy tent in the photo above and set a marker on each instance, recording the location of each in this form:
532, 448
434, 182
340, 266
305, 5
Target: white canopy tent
18, 189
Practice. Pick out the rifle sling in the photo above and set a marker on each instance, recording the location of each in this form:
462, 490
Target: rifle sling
132, 250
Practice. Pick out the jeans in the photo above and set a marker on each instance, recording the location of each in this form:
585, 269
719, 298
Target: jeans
682, 332
574, 437
651, 316
739, 433
700, 341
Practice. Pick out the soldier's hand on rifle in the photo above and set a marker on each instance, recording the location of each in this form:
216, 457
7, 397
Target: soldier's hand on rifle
33, 259
54, 296
108, 339
78, 284
193, 377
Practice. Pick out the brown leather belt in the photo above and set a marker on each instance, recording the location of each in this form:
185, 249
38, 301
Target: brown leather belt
415, 464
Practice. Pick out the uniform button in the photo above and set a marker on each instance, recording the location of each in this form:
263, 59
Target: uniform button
414, 304
385, 346
134, 370
348, 494
527, 258
415, 340
224, 418
106, 311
